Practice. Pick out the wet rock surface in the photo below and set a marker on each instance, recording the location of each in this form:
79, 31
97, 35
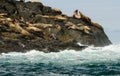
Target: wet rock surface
26, 26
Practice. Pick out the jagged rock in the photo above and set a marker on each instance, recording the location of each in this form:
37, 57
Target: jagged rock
46, 29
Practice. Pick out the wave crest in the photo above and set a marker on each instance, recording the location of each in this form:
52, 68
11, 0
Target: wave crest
91, 54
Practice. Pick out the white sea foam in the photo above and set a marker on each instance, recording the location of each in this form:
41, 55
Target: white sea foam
91, 54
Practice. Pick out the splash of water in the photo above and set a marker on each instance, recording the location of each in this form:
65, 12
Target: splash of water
91, 54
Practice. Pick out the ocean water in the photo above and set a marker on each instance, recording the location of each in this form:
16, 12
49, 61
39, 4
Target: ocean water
91, 61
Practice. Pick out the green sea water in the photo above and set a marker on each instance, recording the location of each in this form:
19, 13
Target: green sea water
93, 61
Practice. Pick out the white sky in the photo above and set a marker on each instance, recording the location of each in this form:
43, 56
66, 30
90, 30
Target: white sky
105, 12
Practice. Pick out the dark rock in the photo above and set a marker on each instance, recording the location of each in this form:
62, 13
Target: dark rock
47, 27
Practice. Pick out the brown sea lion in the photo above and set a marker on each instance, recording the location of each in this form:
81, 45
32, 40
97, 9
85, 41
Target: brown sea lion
3, 14
76, 14
39, 25
33, 29
80, 26
34, 0
97, 25
57, 17
15, 26
86, 29
21, 30
85, 18
56, 9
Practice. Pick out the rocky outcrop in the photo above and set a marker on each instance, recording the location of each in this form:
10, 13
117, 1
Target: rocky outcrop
46, 29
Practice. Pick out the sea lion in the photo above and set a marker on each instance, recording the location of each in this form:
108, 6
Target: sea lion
39, 25
9, 19
34, 0
86, 29
70, 25
83, 26
56, 10
57, 17
64, 15
15, 26
21, 30
79, 26
76, 15
85, 18
33, 29
24, 32
3, 20
3, 14
10, 22
97, 25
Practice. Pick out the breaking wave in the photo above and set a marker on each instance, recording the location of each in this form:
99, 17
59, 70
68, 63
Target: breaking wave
67, 62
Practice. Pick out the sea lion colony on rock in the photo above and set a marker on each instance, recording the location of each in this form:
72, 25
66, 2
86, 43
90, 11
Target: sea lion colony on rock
38, 27
81, 16
14, 24
76, 14
48, 28
87, 19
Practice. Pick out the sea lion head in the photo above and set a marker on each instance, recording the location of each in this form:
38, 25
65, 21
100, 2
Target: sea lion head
9, 19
